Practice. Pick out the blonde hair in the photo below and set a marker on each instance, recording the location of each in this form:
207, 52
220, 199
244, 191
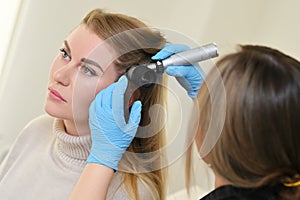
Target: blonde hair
135, 48
259, 143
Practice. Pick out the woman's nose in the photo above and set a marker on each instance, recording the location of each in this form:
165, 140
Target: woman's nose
64, 74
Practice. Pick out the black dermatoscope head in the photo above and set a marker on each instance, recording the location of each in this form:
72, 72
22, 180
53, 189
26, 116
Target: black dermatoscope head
146, 75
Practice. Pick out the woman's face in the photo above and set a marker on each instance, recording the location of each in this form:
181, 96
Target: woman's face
77, 75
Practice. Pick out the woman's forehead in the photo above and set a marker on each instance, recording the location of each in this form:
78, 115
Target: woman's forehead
85, 44
83, 40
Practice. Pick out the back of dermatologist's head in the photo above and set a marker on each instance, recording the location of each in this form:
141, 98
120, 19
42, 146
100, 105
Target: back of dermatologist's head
259, 142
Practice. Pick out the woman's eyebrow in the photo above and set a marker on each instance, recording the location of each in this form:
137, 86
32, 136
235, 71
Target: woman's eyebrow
67, 46
85, 60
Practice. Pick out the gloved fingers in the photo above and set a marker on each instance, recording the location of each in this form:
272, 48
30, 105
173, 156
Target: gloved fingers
103, 98
191, 88
188, 71
168, 50
118, 101
184, 83
101, 105
178, 70
193, 94
199, 70
135, 113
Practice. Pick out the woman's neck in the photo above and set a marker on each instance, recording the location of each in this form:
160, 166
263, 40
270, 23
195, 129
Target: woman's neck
220, 181
76, 128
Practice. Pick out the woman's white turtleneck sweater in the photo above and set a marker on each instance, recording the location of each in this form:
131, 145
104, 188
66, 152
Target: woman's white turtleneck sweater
45, 163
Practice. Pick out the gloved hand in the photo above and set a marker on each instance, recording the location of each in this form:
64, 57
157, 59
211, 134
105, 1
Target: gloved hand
190, 77
110, 133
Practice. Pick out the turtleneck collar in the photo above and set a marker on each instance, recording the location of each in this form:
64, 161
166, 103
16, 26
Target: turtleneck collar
70, 150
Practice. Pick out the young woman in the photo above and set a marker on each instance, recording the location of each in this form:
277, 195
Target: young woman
49, 155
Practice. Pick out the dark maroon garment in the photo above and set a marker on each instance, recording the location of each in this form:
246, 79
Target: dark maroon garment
235, 193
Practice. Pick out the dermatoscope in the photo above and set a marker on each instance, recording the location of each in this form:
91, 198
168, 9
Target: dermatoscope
146, 75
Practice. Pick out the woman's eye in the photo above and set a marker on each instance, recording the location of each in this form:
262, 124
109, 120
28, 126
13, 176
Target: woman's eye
88, 71
64, 54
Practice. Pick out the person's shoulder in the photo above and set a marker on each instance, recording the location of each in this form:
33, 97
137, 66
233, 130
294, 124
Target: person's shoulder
41, 123
221, 193
38, 127
33, 134
236, 193
38, 130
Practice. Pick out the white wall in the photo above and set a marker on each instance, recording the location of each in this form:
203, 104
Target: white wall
9, 11
42, 26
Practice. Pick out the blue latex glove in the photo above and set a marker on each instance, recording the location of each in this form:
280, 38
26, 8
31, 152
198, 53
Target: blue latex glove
111, 135
190, 77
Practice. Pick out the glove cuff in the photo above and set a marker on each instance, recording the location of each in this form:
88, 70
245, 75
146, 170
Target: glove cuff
110, 160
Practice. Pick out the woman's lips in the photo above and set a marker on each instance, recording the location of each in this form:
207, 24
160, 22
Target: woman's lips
54, 94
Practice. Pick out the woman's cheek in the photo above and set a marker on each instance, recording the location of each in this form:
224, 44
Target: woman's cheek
106, 80
83, 95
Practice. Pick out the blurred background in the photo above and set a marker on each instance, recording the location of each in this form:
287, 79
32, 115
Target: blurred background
32, 31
